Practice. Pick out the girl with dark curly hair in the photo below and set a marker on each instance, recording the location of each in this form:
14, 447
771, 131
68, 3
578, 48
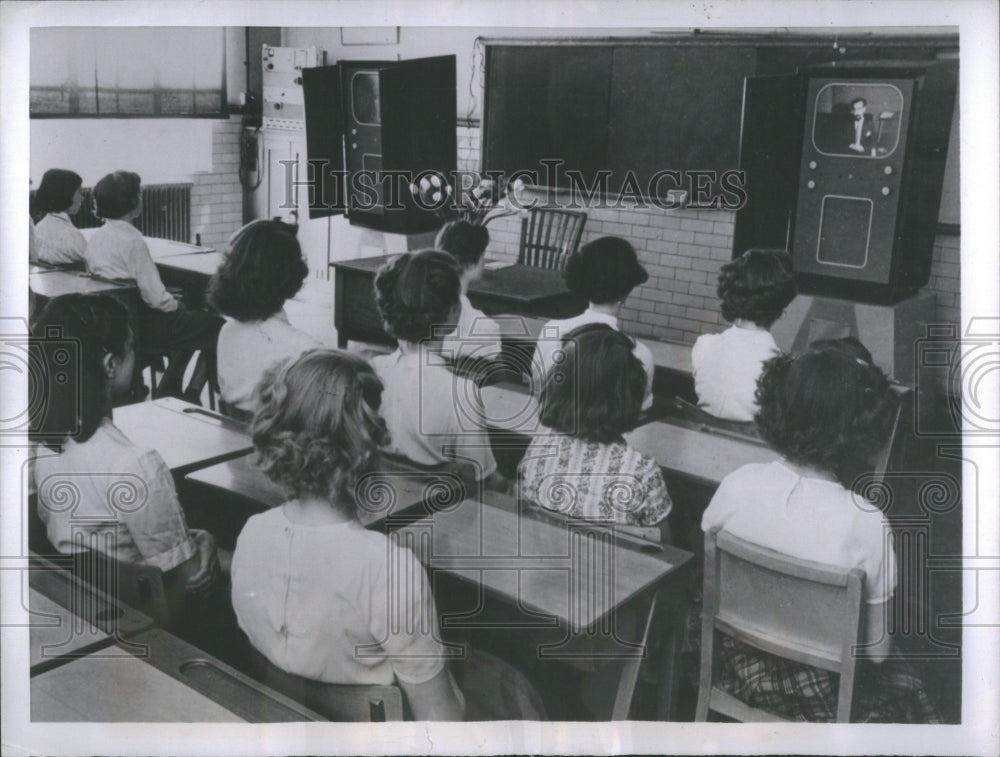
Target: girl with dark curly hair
264, 267
829, 413
311, 586
755, 289
434, 416
475, 334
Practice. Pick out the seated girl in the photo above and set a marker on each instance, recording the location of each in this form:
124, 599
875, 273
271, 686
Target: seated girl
582, 466
123, 496
433, 415
118, 251
311, 587
754, 289
264, 267
829, 413
604, 272
58, 241
475, 335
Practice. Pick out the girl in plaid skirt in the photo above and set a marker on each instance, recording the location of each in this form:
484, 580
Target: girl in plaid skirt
828, 412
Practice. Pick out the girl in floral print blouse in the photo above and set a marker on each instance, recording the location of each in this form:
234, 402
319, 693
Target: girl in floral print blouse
581, 466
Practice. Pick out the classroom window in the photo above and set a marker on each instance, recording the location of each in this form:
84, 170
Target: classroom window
118, 72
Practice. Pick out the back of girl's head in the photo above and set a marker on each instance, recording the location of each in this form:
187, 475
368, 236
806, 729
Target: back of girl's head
416, 292
317, 427
264, 267
55, 193
829, 408
68, 388
117, 194
595, 391
605, 270
757, 286
465, 241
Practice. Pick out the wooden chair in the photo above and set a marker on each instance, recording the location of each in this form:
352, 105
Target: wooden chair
549, 237
339, 702
796, 609
141, 587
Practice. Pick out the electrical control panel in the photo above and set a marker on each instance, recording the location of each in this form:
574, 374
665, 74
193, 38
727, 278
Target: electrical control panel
282, 85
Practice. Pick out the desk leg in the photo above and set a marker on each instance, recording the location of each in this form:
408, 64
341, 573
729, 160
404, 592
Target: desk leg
630, 671
674, 611
339, 316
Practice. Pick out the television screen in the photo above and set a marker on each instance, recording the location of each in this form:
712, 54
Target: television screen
857, 119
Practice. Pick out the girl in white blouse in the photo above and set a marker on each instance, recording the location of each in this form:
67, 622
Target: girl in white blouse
263, 269
316, 593
58, 241
95, 487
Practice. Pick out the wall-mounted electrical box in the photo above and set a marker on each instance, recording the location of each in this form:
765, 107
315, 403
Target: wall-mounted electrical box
281, 69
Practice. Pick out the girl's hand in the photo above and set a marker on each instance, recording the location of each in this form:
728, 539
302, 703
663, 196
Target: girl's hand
203, 581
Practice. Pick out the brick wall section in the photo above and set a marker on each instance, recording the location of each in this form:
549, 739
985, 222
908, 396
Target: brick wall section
946, 278
217, 196
682, 250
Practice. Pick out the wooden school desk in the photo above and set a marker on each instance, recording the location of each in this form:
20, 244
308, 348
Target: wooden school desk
702, 456
88, 604
57, 636
578, 573
159, 679
186, 436
190, 273
515, 289
386, 493
53, 282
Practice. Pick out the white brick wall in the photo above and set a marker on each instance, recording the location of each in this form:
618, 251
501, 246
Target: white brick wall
683, 250
217, 196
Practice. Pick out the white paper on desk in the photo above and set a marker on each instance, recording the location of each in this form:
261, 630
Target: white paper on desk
163, 159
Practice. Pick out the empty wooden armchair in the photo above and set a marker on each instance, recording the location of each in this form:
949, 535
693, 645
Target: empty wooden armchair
549, 237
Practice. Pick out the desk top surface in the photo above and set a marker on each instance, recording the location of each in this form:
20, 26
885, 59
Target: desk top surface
514, 282
55, 631
670, 355
702, 455
381, 493
160, 248
119, 689
186, 436
510, 407
205, 263
53, 283
574, 570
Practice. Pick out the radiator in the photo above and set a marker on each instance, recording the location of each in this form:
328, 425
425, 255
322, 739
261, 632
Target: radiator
166, 212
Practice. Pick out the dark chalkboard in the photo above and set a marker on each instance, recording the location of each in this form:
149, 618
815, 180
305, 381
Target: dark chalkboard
632, 109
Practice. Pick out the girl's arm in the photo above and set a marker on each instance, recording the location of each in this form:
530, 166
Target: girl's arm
878, 643
201, 570
147, 279
436, 699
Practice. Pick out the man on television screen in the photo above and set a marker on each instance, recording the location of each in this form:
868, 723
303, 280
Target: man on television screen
862, 130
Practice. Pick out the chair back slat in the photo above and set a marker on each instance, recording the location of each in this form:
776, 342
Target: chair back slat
796, 609
549, 237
